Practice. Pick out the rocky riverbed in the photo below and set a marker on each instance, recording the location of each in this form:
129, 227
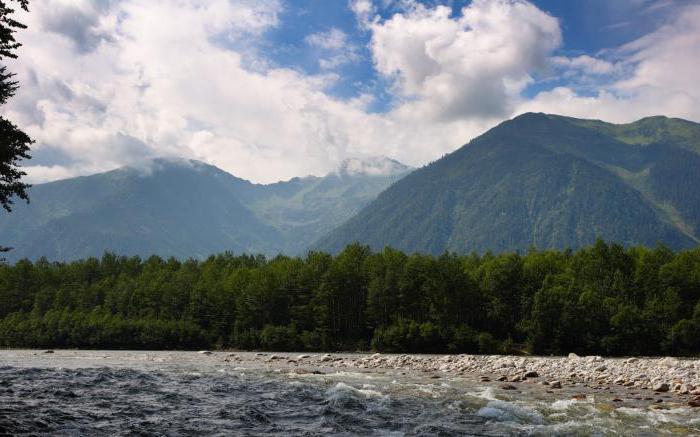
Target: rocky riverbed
78, 392
640, 379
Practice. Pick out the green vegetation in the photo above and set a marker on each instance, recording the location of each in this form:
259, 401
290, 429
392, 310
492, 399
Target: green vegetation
603, 299
544, 180
14, 143
184, 209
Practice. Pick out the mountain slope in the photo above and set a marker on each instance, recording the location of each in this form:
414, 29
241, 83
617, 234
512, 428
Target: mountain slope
305, 209
541, 180
184, 209
173, 209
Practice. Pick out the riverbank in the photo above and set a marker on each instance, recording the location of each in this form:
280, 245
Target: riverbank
641, 379
348, 393
652, 380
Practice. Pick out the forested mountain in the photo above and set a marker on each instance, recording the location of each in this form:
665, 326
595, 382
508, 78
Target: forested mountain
187, 209
545, 181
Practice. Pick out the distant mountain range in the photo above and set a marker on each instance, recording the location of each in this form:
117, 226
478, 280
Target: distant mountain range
545, 181
537, 180
187, 208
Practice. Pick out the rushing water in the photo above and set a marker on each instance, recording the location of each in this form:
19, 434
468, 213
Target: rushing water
180, 393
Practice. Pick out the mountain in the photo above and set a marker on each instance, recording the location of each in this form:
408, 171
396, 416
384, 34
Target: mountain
185, 209
305, 209
545, 181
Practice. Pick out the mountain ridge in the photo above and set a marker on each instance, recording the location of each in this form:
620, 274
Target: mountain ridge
183, 208
497, 192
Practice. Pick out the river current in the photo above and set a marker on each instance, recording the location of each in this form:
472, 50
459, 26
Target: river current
185, 393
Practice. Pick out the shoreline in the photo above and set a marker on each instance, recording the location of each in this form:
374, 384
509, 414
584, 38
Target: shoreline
656, 381
637, 379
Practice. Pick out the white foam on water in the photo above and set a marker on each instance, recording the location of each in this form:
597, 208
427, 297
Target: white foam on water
486, 393
676, 416
565, 404
502, 411
343, 389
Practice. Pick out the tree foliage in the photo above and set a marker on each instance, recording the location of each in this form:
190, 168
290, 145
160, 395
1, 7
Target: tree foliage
602, 299
14, 144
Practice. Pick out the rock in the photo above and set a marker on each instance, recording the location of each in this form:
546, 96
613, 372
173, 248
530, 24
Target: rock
631, 360
601, 368
617, 400
48, 351
515, 378
485, 379
579, 397
695, 402
205, 352
302, 356
502, 378
573, 356
683, 389
555, 384
661, 387
669, 362
326, 358
531, 374
508, 387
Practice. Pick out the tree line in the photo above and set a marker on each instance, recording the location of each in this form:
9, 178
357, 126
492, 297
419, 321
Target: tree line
603, 299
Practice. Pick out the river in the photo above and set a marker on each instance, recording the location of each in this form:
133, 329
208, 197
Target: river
186, 393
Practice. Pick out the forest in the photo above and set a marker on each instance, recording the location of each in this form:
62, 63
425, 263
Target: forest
602, 299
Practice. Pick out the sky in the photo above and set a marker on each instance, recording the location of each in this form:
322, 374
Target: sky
269, 90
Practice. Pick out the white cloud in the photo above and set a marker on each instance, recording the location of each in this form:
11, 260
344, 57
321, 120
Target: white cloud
466, 66
333, 47
657, 75
108, 83
585, 64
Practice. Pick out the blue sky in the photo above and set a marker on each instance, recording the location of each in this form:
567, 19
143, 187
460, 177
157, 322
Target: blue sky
588, 27
272, 89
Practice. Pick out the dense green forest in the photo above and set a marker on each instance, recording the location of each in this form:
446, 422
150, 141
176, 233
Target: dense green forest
602, 299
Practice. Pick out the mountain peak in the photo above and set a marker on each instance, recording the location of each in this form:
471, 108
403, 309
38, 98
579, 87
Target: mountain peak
371, 166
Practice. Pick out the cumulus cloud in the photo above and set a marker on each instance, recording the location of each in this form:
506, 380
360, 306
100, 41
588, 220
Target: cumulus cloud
655, 75
469, 66
109, 83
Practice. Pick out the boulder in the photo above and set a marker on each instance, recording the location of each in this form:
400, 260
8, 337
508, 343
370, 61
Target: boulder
661, 387
555, 384
531, 374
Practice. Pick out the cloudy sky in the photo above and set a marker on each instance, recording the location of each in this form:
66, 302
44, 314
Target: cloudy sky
273, 89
